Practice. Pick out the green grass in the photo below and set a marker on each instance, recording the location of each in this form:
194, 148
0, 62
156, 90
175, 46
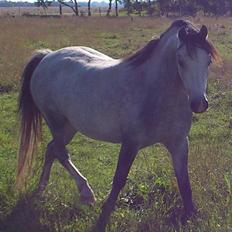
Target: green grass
150, 201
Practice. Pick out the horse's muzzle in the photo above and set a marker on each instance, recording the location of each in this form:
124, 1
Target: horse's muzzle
199, 105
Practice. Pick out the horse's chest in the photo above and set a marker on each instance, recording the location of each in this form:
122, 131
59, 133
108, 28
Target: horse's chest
166, 122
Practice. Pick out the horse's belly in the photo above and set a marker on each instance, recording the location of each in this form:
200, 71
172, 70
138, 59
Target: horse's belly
104, 129
107, 137
112, 136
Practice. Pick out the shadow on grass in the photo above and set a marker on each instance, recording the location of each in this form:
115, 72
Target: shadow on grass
31, 214
24, 217
164, 206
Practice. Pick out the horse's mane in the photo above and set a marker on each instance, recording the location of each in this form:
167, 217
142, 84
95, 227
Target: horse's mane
142, 54
193, 41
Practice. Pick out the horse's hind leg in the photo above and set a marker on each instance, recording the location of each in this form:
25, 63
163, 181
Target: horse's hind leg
86, 193
50, 156
56, 149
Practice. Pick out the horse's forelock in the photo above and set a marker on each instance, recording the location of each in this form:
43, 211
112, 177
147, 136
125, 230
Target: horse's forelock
195, 41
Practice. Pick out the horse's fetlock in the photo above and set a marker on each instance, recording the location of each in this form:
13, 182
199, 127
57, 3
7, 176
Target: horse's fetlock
119, 183
84, 183
108, 207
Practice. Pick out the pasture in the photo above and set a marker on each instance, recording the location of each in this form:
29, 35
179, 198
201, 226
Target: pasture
150, 201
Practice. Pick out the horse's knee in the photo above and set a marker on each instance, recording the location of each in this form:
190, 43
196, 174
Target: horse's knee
56, 151
60, 153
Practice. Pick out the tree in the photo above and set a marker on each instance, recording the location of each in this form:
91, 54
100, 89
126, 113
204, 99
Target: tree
181, 3
89, 8
203, 5
229, 2
44, 4
164, 6
71, 4
109, 9
116, 8
181, 7
221, 7
138, 7
149, 9
127, 5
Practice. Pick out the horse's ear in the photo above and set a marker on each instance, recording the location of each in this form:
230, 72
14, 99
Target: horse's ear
182, 34
203, 32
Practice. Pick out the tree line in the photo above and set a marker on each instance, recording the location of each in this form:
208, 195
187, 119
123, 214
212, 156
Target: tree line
179, 7
158, 7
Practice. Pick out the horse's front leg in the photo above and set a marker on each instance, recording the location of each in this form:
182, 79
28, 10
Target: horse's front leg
179, 153
126, 157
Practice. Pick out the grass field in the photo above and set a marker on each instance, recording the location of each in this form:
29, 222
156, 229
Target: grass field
150, 202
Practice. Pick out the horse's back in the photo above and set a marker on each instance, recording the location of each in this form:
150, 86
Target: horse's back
69, 65
79, 55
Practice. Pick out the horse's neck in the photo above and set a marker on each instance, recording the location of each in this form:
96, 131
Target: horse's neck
163, 64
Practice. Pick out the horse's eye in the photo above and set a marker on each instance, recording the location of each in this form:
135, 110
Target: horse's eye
181, 63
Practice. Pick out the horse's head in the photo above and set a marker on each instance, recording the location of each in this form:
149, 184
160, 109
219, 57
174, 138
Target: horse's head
194, 55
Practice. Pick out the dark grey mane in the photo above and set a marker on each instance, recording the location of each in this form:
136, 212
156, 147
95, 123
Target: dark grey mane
142, 54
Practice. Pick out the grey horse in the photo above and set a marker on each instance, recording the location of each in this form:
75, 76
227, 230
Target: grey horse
137, 101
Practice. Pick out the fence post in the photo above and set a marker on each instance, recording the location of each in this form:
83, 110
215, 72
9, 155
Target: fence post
60, 7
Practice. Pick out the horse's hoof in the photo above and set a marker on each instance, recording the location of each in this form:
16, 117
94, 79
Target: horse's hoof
98, 228
188, 216
95, 229
39, 192
88, 200
87, 196
40, 189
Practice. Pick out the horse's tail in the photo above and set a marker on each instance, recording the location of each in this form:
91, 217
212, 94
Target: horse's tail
30, 117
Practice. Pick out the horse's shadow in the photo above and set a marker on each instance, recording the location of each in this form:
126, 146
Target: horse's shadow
26, 214
24, 217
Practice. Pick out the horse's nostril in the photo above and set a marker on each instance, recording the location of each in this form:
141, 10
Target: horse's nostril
206, 104
199, 106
